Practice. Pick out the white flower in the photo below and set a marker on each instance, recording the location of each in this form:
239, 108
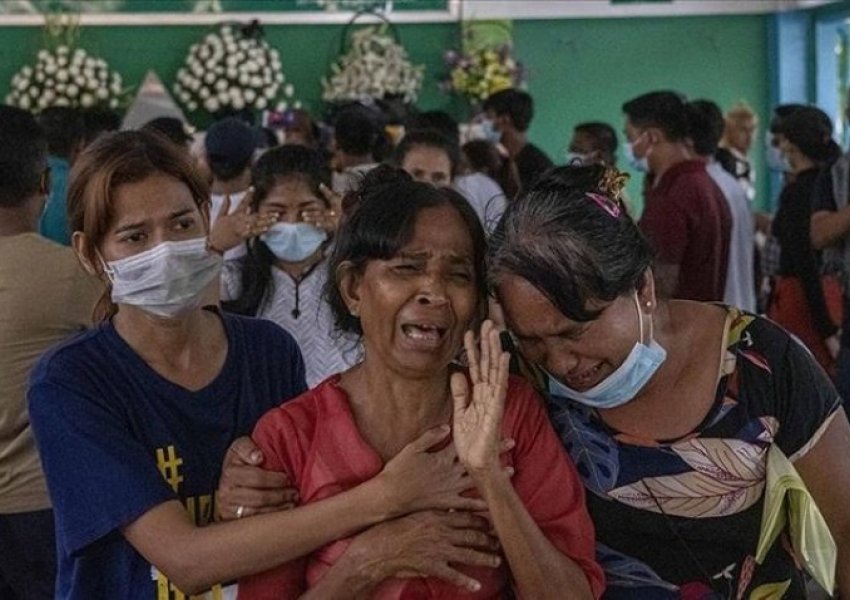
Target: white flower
62, 61
102, 94
39, 77
211, 104
34, 92
193, 106
62, 76
87, 100
24, 102
22, 84
237, 103
261, 103
220, 85
223, 98
113, 103
204, 93
232, 73
256, 81
209, 77
250, 95
72, 90
42, 55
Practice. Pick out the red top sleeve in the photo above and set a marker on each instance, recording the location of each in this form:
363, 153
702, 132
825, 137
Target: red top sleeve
548, 483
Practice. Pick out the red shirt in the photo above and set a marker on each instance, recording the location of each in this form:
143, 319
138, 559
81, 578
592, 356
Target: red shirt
315, 441
688, 223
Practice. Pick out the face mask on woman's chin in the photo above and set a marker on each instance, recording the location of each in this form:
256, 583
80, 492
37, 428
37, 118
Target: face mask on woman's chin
626, 382
168, 280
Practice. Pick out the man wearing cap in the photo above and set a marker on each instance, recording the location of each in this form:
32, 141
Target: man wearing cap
229, 146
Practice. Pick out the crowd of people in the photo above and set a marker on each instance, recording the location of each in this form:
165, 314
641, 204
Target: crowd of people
323, 362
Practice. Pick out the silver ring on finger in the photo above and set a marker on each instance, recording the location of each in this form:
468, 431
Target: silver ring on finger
240, 511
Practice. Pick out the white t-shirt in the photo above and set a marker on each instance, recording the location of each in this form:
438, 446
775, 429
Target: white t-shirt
740, 277
484, 195
217, 201
350, 178
300, 309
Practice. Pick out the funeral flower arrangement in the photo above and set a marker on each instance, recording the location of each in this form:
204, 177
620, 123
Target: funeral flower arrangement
66, 76
478, 74
232, 69
376, 66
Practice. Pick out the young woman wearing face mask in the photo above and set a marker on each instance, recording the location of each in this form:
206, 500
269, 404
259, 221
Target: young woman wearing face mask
134, 417
283, 273
802, 301
677, 413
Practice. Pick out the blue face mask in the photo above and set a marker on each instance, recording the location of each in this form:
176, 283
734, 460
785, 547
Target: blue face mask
625, 382
489, 131
773, 155
638, 164
293, 242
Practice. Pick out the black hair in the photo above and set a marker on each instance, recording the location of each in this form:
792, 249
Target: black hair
706, 124
429, 139
572, 247
171, 128
357, 130
483, 157
382, 221
267, 138
23, 156
604, 136
435, 120
63, 126
97, 121
810, 129
273, 167
783, 111
664, 110
518, 105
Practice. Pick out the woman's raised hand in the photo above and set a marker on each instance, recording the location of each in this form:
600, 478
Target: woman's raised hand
325, 218
231, 229
419, 479
478, 415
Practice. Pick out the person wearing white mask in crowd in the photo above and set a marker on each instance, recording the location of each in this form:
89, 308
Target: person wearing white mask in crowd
283, 274
593, 143
134, 418
685, 218
229, 147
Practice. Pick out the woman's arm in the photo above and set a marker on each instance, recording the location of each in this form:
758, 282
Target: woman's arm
195, 558
826, 471
539, 568
425, 544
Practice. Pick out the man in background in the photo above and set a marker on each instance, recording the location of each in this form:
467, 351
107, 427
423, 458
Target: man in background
45, 297
64, 129
509, 114
685, 217
593, 142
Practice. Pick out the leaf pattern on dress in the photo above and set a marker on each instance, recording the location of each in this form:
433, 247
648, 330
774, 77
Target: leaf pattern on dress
771, 591
593, 452
740, 322
728, 477
624, 571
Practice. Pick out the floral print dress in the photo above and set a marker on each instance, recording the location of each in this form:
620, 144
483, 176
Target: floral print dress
681, 519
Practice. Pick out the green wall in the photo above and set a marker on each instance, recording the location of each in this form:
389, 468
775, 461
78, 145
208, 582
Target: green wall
579, 69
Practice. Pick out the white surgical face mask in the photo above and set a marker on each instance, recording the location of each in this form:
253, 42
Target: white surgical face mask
621, 386
576, 158
640, 164
166, 280
773, 155
489, 131
293, 242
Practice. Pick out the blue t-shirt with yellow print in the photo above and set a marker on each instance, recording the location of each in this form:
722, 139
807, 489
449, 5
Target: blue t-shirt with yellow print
117, 439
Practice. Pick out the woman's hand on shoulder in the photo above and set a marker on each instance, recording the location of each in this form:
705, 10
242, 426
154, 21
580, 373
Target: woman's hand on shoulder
478, 412
418, 478
425, 544
246, 489
231, 229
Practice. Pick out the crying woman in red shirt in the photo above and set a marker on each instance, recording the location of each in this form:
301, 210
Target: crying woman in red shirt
407, 275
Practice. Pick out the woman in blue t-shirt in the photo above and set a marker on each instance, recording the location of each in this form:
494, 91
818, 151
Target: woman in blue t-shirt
133, 418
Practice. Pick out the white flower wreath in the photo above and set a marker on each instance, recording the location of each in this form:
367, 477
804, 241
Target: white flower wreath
376, 66
232, 69
66, 76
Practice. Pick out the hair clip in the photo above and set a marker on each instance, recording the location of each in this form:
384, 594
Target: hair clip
613, 182
605, 203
